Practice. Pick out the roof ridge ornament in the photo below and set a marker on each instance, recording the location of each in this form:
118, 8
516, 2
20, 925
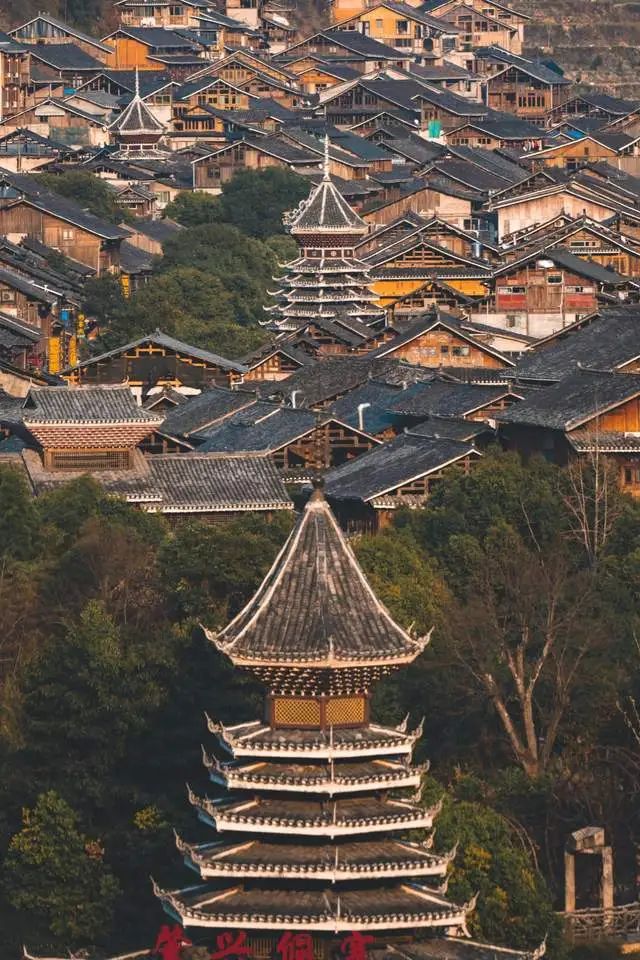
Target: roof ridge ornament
325, 162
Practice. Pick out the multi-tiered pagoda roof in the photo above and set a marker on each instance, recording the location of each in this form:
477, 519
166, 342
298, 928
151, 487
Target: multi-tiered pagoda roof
327, 280
317, 815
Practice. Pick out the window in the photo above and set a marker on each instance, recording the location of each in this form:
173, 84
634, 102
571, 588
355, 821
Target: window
631, 476
511, 320
378, 24
554, 279
444, 350
402, 26
460, 351
68, 234
8, 296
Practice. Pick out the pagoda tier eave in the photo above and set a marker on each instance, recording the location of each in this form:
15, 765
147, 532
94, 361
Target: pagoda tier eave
333, 864
250, 816
333, 918
242, 741
234, 781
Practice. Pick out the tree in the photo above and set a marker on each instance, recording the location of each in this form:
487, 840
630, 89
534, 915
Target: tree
514, 906
194, 208
86, 189
523, 629
244, 265
186, 303
255, 201
19, 534
57, 880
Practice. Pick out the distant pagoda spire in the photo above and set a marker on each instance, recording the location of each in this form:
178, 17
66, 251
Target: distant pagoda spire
326, 280
312, 835
137, 131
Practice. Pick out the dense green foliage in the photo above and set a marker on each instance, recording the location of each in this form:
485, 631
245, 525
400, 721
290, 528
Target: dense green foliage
252, 201
99, 606
212, 283
86, 189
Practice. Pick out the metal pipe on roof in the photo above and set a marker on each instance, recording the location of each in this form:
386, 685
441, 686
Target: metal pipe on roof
361, 408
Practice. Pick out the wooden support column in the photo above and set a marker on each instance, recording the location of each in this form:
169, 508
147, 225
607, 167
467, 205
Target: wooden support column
607, 878
569, 882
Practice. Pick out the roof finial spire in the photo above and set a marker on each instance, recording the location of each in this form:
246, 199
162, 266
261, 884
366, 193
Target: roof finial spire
325, 164
137, 84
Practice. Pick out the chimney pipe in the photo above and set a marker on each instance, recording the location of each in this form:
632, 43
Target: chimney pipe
361, 408
294, 394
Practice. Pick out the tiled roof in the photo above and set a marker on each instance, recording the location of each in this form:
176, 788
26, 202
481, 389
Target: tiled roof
440, 399
336, 376
261, 428
607, 343
574, 400
164, 340
190, 483
64, 56
137, 118
332, 615
326, 210
205, 409
393, 464
105, 404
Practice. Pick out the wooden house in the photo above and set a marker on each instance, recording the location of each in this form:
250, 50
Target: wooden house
63, 225
255, 153
15, 70
62, 63
437, 340
512, 133
406, 28
298, 440
156, 361
588, 240
402, 267
549, 288
587, 412
367, 492
617, 149
60, 121
151, 48
482, 23
353, 102
429, 199
523, 87
46, 29
592, 104
605, 340
141, 13
211, 92
521, 210
348, 47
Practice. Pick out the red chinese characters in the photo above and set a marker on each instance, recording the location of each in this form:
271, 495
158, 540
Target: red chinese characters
354, 946
295, 946
170, 941
231, 945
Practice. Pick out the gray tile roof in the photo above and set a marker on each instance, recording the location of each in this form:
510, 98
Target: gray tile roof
439, 399
574, 400
336, 376
332, 614
189, 483
205, 409
391, 465
326, 209
608, 342
105, 404
64, 56
261, 428
164, 340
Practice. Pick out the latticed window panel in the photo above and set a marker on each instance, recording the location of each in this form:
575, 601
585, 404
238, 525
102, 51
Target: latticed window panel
344, 711
90, 460
296, 712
